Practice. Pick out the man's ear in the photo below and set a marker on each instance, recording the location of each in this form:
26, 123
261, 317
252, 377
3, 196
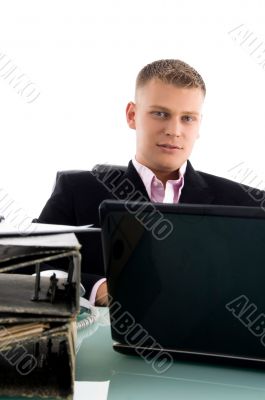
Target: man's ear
130, 115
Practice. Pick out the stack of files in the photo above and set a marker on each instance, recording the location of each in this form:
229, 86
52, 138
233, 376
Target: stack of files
37, 313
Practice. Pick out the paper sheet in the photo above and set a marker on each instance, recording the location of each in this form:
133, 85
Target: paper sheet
43, 229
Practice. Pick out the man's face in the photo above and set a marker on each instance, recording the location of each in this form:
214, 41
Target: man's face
167, 120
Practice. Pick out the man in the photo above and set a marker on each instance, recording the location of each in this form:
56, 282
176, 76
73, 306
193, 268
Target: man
166, 116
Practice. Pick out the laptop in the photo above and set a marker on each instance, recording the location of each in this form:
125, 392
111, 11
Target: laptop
185, 281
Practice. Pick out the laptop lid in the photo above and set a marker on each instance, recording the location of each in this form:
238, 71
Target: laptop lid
188, 279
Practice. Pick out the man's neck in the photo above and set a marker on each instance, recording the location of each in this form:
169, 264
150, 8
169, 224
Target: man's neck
166, 176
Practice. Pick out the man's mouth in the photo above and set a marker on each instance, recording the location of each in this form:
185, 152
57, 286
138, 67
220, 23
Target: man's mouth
170, 146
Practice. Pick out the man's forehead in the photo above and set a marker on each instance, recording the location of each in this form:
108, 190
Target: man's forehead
169, 97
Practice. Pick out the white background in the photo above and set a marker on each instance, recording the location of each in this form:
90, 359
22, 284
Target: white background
83, 56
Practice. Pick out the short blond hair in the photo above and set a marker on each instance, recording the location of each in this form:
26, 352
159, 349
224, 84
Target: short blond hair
175, 72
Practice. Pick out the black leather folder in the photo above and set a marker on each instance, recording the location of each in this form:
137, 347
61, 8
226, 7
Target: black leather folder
37, 315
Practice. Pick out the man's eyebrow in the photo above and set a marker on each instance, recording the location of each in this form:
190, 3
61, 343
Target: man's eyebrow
168, 110
191, 112
160, 108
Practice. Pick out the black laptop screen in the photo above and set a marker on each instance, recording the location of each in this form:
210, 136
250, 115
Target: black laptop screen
196, 282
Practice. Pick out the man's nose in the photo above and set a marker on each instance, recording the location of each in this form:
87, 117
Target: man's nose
173, 128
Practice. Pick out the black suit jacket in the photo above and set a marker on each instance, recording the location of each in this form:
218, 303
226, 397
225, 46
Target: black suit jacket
77, 196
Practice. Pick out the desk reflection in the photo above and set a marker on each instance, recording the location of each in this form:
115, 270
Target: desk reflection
130, 377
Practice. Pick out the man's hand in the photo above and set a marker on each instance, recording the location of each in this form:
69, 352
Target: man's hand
102, 295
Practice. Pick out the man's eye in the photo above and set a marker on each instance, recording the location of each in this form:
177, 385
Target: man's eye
160, 114
188, 118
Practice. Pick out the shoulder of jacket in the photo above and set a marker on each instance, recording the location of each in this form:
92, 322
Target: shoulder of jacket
70, 176
214, 180
97, 175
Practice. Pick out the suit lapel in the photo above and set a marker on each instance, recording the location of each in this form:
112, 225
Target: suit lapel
134, 178
195, 190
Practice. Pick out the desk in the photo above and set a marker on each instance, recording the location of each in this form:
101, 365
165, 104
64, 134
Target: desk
103, 374
130, 377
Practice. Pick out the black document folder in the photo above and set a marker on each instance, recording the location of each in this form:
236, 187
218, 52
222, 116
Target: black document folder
37, 315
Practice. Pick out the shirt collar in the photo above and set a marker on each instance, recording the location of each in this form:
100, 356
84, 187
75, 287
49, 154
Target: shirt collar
148, 176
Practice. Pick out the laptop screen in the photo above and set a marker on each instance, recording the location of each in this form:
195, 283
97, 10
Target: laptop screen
192, 277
